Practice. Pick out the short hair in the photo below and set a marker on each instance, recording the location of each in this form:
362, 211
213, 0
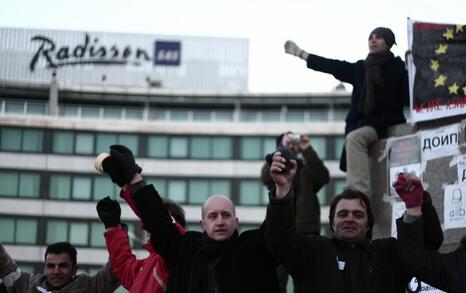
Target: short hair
62, 247
175, 210
349, 193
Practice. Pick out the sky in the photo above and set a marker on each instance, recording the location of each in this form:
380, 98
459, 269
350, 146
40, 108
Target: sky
335, 29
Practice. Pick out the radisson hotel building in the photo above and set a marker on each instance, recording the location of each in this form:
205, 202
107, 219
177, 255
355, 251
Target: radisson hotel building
180, 103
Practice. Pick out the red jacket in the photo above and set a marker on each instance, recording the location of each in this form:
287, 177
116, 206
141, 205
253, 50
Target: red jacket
136, 275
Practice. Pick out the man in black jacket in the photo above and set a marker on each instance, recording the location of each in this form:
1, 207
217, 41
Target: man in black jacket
350, 261
380, 90
445, 271
218, 260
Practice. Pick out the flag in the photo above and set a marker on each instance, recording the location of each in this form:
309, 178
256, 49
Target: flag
439, 70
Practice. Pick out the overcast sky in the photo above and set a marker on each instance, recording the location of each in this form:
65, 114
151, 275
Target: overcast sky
332, 28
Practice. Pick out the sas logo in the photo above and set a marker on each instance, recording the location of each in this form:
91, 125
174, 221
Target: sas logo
167, 53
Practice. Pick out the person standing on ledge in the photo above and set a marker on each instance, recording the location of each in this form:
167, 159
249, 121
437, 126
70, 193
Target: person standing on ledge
380, 90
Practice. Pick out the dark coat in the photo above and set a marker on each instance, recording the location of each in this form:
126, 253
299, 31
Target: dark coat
313, 175
445, 271
389, 100
246, 267
372, 266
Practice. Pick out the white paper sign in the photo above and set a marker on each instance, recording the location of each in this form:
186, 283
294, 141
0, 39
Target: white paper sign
455, 206
425, 288
440, 142
462, 169
398, 208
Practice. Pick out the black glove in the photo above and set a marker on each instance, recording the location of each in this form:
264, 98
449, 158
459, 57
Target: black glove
287, 154
110, 166
124, 159
109, 212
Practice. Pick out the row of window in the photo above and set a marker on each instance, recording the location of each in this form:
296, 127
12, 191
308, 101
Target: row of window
283, 114
154, 146
18, 230
77, 187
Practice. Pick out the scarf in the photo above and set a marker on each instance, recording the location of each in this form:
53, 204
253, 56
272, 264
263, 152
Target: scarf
203, 276
373, 79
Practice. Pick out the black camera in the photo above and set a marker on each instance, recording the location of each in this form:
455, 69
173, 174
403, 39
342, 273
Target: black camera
287, 154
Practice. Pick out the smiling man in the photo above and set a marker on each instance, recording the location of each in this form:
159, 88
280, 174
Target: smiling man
60, 274
380, 90
349, 261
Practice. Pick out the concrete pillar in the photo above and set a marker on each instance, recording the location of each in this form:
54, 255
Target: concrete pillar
53, 96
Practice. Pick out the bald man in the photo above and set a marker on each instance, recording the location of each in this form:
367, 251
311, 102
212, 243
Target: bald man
216, 260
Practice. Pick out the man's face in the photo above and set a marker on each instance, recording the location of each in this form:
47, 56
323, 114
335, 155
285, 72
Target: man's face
350, 221
219, 220
286, 142
377, 44
59, 270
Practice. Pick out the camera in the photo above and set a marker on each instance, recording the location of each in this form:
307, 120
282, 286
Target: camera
295, 138
286, 154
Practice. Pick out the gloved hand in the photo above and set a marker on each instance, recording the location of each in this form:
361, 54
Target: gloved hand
292, 49
410, 190
109, 212
111, 167
124, 159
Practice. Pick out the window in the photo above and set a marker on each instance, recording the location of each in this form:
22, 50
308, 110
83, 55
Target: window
200, 148
78, 233
339, 143
84, 143
18, 139
18, 230
63, 142
222, 148
252, 192
104, 187
322, 196
339, 186
157, 146
198, 191
90, 112
177, 190
295, 116
57, 230
82, 187
178, 147
97, 235
320, 145
60, 186
250, 148
19, 184
104, 140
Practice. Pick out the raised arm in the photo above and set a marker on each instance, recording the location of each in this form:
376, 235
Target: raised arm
341, 70
292, 249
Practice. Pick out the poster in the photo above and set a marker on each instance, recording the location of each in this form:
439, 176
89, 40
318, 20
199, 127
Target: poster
404, 155
462, 169
437, 70
440, 142
455, 206
398, 208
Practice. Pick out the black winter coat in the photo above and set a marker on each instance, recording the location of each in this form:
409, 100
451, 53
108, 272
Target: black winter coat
247, 267
389, 100
445, 271
313, 261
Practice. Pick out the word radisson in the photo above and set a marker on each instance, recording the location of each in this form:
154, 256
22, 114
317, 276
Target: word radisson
85, 53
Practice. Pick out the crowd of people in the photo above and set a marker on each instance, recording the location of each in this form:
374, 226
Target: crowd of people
219, 259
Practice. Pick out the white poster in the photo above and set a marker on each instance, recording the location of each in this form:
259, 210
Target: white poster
462, 169
439, 142
398, 208
455, 206
425, 288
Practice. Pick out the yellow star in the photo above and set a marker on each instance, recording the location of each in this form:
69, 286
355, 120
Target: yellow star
442, 49
434, 65
440, 80
453, 89
459, 28
448, 34
464, 89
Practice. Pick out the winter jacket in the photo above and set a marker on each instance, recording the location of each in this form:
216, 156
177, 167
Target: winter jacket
136, 275
328, 265
389, 100
21, 282
445, 271
312, 175
199, 264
